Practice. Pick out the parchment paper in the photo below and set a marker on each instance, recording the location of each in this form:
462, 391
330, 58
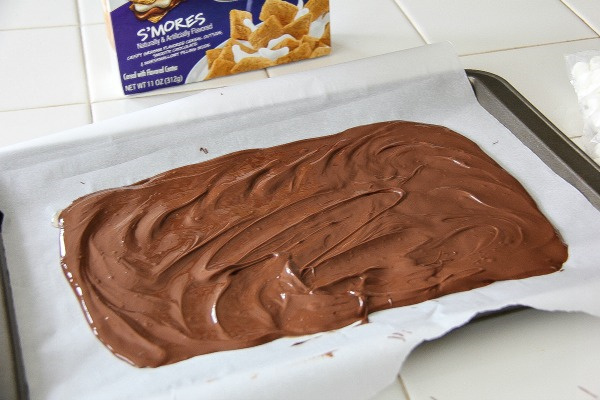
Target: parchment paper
64, 360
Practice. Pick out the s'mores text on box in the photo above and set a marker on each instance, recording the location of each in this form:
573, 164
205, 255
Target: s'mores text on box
161, 43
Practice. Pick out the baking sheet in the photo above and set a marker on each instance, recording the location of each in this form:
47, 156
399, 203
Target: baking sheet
62, 357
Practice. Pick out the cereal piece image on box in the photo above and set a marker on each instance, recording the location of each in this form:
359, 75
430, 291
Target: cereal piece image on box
269, 29
152, 10
284, 12
236, 24
285, 32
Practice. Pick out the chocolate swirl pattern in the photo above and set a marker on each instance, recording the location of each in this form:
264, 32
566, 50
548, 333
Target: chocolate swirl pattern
300, 238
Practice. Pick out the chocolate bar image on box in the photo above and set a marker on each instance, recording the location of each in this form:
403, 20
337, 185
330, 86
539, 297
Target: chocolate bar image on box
152, 10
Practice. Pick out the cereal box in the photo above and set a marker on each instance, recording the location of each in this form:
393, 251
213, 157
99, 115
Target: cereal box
161, 43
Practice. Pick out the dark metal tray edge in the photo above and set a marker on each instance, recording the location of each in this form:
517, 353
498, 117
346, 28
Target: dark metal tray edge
16, 369
538, 133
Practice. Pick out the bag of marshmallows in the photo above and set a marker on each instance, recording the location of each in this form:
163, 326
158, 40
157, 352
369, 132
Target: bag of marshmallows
584, 71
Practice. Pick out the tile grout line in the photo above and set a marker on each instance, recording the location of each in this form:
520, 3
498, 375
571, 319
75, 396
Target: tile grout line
42, 107
531, 46
579, 16
33, 28
84, 62
412, 23
403, 385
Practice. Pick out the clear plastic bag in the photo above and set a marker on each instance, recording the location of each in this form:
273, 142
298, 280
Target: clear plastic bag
584, 72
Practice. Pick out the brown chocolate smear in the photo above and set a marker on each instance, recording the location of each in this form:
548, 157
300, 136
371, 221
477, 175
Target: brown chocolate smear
295, 239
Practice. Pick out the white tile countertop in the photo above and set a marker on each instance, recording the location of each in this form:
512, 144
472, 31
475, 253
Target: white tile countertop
57, 72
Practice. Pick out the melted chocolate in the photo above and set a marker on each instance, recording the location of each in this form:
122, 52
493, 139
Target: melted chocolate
300, 238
